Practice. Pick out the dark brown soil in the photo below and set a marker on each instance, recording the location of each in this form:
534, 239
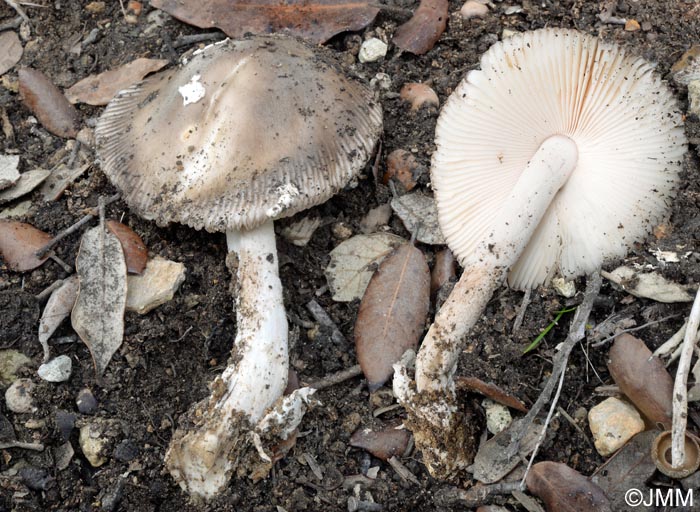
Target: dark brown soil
170, 355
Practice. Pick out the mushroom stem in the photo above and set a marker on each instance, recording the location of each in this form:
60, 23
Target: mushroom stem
432, 407
203, 458
486, 268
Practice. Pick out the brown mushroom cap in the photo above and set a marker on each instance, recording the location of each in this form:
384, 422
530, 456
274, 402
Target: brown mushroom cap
243, 132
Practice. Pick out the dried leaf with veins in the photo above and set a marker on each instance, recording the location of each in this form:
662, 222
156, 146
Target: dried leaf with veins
419, 34
135, 251
18, 243
392, 313
418, 213
565, 490
384, 443
100, 89
98, 314
48, 104
11, 51
57, 309
313, 20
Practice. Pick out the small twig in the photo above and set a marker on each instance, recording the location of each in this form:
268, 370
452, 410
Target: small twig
521, 312
49, 290
561, 358
324, 320
474, 497
18, 9
37, 447
43, 251
632, 329
65, 266
402, 470
187, 331
680, 387
336, 378
198, 38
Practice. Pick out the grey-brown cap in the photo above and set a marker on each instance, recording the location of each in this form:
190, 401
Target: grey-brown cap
243, 132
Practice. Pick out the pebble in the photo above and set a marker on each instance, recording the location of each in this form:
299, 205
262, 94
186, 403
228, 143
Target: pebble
65, 423
381, 81
18, 396
9, 175
86, 401
687, 68
57, 370
563, 287
341, 231
632, 26
126, 451
62, 455
497, 416
372, 50
613, 422
419, 95
157, 285
473, 9
92, 444
10, 362
36, 479
694, 97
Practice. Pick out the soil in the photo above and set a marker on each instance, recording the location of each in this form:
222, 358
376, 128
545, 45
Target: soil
170, 355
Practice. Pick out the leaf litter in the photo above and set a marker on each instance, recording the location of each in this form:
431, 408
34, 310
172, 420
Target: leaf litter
57, 309
98, 314
18, 244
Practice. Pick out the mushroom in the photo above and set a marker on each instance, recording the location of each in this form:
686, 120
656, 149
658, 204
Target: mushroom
243, 133
555, 156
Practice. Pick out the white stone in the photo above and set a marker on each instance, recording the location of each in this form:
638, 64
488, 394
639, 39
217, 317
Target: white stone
157, 285
497, 416
372, 50
8, 170
694, 97
473, 9
18, 396
613, 423
92, 444
563, 287
56, 370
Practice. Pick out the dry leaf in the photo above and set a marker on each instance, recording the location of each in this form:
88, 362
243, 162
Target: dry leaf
314, 20
642, 377
490, 391
383, 444
419, 214
57, 309
354, 261
419, 34
648, 285
9, 175
100, 89
10, 51
28, 181
48, 104
443, 270
135, 251
565, 490
629, 468
57, 182
98, 314
19, 242
392, 313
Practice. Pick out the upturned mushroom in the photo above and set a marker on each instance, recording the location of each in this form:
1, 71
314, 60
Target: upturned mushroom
243, 133
558, 154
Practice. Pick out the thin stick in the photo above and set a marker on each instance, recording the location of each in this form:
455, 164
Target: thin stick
322, 318
43, 251
65, 266
633, 329
670, 345
680, 386
198, 38
474, 497
49, 290
337, 378
24, 446
576, 333
521, 313
18, 9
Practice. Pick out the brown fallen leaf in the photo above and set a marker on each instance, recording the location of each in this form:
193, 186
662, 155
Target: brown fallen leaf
392, 313
419, 34
18, 243
135, 250
57, 309
314, 20
48, 104
98, 314
565, 490
383, 444
443, 270
642, 377
490, 391
100, 89
10, 51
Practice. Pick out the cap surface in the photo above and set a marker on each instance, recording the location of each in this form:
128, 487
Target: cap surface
623, 119
244, 132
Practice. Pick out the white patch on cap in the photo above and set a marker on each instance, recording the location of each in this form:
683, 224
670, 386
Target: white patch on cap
193, 91
285, 197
